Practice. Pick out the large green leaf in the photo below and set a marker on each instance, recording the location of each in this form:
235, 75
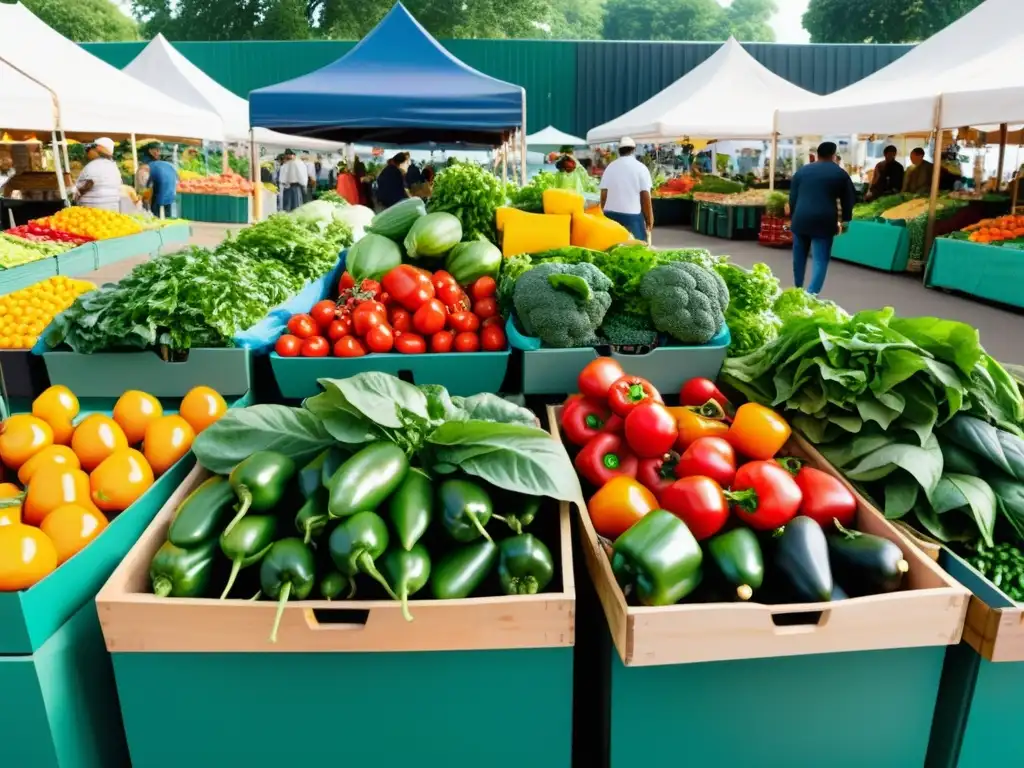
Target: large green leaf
381, 398
972, 495
948, 340
924, 463
1002, 449
901, 494
845, 452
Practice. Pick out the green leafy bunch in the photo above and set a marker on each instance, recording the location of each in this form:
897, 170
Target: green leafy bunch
530, 197
472, 194
796, 303
750, 291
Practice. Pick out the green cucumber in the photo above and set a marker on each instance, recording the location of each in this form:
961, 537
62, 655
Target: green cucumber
738, 556
396, 221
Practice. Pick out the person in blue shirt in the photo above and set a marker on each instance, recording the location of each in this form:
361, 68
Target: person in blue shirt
163, 178
817, 194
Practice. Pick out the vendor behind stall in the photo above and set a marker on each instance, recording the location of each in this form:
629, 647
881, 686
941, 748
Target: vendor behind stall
99, 183
887, 178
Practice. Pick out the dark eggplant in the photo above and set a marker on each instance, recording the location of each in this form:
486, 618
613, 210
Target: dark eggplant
738, 556
801, 554
866, 564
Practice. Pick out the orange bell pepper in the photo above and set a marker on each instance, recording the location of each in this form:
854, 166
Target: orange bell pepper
620, 503
692, 425
758, 432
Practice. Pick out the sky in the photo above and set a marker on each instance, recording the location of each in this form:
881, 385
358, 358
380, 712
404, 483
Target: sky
787, 22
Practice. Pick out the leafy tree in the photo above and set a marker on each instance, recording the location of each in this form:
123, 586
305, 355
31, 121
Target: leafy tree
749, 20
881, 21
84, 21
688, 20
577, 19
200, 19
285, 20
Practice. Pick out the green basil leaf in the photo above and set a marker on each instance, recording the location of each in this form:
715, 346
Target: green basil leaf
344, 423
844, 453
488, 407
1010, 498
379, 397
241, 432
923, 463
971, 494
440, 405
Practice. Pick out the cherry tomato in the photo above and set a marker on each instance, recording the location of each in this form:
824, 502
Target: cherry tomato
380, 338
302, 326
442, 341
492, 338
429, 318
441, 279
316, 346
467, 342
349, 346
410, 344
367, 315
464, 322
483, 288
323, 313
484, 308
340, 327
288, 345
346, 282
401, 319
451, 295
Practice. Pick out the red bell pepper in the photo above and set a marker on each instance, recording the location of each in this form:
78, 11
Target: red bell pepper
628, 392
604, 457
408, 285
825, 498
650, 429
700, 503
764, 495
711, 457
597, 377
583, 419
699, 391
658, 473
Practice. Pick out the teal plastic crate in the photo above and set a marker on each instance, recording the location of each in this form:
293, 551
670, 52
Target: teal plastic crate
461, 373
174, 234
731, 222
983, 271
16, 278
78, 261
59, 705
874, 244
121, 248
214, 208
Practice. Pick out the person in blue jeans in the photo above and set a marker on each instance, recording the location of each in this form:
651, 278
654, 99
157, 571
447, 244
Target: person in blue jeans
163, 178
818, 192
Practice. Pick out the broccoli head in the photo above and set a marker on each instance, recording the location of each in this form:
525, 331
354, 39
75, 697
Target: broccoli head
563, 304
687, 301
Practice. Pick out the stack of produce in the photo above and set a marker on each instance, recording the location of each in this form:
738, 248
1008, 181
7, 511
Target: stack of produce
91, 222
472, 194
531, 197
15, 250
564, 222
915, 411
872, 210
74, 473
202, 298
673, 484
752, 295
36, 232
25, 313
678, 186
1001, 231
226, 184
375, 486
751, 197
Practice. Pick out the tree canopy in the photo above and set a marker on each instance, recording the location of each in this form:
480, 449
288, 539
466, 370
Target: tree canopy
84, 20
881, 21
747, 20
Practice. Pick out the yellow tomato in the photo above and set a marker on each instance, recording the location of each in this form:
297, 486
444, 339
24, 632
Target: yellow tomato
201, 407
135, 411
21, 437
95, 439
167, 440
10, 515
70, 527
120, 479
54, 454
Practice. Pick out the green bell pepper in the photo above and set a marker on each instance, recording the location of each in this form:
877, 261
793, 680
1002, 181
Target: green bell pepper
246, 544
178, 572
366, 479
201, 515
288, 570
411, 508
356, 543
525, 565
408, 571
461, 572
465, 509
260, 482
658, 559
312, 517
332, 584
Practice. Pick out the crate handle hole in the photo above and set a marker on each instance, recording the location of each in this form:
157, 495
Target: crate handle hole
343, 618
406, 376
801, 619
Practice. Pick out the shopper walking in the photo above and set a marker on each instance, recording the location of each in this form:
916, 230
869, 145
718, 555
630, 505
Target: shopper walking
294, 177
626, 192
163, 179
814, 194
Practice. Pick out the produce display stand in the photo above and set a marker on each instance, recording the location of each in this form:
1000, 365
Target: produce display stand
732, 222
746, 684
988, 272
874, 244
219, 209
16, 278
672, 211
174, 234
78, 261
476, 666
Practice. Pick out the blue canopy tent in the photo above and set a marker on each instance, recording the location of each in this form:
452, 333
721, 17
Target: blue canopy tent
397, 86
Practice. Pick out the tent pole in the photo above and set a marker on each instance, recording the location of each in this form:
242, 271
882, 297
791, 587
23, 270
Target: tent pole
504, 162
254, 175
64, 151
135, 155
929, 234
60, 173
1016, 183
1002, 156
772, 161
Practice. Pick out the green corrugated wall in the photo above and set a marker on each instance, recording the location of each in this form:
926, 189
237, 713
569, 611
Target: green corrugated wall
571, 85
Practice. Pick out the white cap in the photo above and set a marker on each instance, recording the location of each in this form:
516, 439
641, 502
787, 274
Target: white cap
625, 141
107, 145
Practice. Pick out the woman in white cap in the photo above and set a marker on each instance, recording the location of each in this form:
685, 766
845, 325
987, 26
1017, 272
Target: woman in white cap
99, 183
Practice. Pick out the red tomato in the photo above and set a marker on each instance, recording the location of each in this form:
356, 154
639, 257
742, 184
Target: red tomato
315, 346
492, 338
342, 326
380, 338
765, 495
302, 326
698, 502
349, 346
467, 342
410, 344
651, 430
464, 322
346, 282
496, 320
408, 285
323, 313
442, 341
441, 279
483, 288
709, 456
597, 377
484, 308
288, 345
372, 288
429, 318
452, 296
367, 315
401, 319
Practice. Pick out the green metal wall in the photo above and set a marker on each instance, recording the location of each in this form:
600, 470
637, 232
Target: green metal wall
571, 85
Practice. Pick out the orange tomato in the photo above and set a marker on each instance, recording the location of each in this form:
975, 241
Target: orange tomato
95, 439
27, 556
135, 411
53, 486
167, 440
53, 454
120, 479
22, 437
618, 504
54, 402
62, 428
201, 407
70, 527
10, 515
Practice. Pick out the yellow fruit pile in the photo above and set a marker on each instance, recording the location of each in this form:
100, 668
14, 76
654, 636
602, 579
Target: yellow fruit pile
25, 313
75, 473
92, 222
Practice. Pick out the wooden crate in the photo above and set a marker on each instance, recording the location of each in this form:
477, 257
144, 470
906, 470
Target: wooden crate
135, 620
930, 612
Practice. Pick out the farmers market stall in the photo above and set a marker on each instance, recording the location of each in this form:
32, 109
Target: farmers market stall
981, 261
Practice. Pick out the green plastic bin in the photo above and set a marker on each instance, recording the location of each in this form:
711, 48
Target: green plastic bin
16, 278
220, 209
476, 682
120, 248
874, 244
78, 261
731, 222
989, 272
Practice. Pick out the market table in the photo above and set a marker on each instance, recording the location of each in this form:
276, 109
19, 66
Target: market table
218, 209
984, 271
672, 211
732, 222
875, 244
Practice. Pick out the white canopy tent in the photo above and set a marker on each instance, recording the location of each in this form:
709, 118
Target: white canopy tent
92, 96
728, 96
552, 137
968, 74
163, 67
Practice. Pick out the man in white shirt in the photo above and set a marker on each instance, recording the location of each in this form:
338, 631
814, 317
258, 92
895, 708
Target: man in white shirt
99, 183
626, 192
294, 177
